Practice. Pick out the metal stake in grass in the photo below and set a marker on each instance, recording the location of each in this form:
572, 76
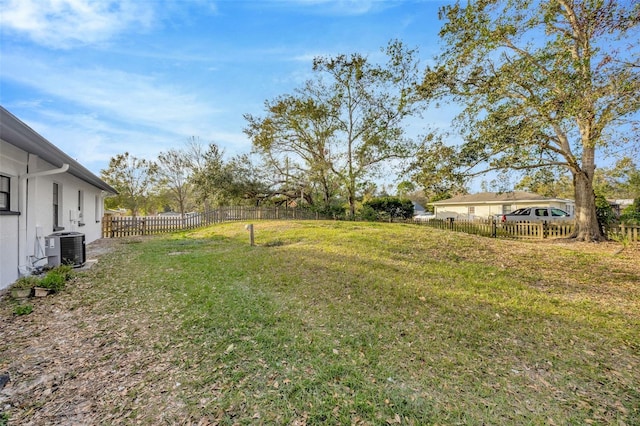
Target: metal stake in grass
249, 228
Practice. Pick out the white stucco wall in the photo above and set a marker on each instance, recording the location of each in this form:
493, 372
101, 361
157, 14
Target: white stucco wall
13, 163
21, 236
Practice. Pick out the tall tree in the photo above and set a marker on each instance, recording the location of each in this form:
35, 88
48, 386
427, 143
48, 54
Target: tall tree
346, 124
295, 141
220, 182
134, 178
174, 171
210, 174
544, 83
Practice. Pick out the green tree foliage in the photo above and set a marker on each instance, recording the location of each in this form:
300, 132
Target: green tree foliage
342, 128
543, 83
548, 182
294, 141
218, 182
387, 208
604, 212
174, 172
436, 170
631, 214
134, 178
211, 176
620, 181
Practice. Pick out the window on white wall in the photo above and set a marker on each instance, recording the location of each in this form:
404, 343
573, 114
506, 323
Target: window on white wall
98, 209
80, 206
5, 193
57, 207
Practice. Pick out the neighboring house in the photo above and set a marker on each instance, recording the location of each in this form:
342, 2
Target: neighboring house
115, 212
487, 204
619, 205
42, 190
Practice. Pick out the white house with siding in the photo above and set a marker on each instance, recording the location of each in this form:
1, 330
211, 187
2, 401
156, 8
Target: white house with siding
486, 204
42, 190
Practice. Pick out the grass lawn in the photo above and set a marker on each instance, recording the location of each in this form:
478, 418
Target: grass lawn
333, 323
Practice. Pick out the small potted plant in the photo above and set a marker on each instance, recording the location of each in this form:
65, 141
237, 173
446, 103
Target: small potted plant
24, 286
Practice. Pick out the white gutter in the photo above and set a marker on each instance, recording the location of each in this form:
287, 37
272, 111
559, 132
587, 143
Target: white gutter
62, 169
23, 219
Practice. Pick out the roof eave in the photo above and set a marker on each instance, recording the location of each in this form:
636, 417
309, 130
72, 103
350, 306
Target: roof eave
18, 134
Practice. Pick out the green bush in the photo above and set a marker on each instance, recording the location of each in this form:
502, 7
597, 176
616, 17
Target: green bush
333, 211
368, 213
388, 208
604, 212
54, 280
631, 214
65, 270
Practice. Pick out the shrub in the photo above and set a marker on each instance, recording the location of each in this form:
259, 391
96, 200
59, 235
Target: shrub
390, 207
604, 212
54, 280
65, 270
28, 282
631, 214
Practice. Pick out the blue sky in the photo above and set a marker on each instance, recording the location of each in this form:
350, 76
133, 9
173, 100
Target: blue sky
98, 78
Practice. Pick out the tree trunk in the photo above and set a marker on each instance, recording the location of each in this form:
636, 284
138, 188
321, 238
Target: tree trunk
587, 227
352, 206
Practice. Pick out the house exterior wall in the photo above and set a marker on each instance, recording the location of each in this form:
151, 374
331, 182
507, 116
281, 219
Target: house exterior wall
13, 163
485, 211
22, 230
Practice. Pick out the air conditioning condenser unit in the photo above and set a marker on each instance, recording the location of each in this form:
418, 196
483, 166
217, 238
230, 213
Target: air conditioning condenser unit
65, 248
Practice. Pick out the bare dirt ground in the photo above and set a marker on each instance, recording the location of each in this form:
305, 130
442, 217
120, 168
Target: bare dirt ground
67, 366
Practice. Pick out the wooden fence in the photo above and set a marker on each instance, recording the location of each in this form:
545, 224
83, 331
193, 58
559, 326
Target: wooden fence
127, 226
625, 232
115, 226
527, 230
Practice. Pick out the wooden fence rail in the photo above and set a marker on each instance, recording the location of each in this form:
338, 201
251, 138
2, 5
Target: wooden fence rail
115, 226
628, 232
127, 226
527, 230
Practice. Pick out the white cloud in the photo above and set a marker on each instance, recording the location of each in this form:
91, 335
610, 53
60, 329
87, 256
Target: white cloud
68, 23
145, 100
116, 111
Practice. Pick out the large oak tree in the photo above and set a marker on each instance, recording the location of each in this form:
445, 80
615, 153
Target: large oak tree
543, 83
345, 125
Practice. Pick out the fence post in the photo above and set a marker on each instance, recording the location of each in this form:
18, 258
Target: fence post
249, 228
450, 220
494, 227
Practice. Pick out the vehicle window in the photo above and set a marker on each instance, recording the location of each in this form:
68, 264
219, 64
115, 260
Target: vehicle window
523, 212
558, 212
541, 212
